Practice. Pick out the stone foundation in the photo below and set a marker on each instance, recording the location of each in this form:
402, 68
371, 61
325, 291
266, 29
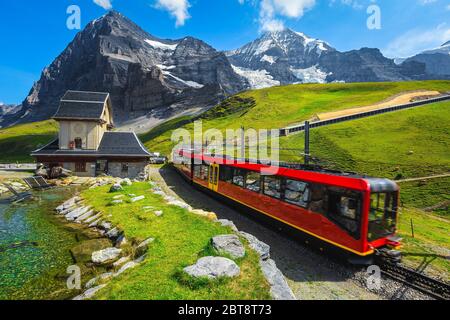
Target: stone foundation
115, 169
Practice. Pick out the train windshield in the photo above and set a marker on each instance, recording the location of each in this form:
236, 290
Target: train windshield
382, 215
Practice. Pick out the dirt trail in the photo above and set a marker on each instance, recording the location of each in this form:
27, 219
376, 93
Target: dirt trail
424, 178
310, 274
394, 101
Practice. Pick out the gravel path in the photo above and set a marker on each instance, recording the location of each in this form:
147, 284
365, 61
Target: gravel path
311, 276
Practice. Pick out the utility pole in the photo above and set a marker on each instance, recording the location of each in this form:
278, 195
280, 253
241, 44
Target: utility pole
242, 142
306, 142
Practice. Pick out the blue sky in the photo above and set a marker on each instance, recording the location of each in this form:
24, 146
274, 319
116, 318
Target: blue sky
34, 32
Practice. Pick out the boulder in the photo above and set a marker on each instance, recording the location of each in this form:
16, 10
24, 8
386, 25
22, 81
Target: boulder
279, 288
68, 204
85, 216
89, 293
229, 244
78, 212
102, 277
213, 268
114, 202
159, 213
209, 215
126, 182
106, 256
180, 204
93, 218
116, 187
136, 199
113, 233
105, 225
42, 172
95, 223
260, 247
121, 241
142, 248
83, 251
228, 223
125, 267
121, 261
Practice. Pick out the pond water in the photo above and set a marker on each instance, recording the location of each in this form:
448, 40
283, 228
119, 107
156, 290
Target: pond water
34, 247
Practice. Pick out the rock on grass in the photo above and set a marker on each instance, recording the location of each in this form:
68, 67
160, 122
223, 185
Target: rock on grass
213, 268
229, 244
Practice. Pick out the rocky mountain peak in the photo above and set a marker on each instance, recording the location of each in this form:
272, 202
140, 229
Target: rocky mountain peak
146, 75
446, 44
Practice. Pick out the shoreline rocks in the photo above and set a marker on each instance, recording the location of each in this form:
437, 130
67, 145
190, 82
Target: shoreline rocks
106, 256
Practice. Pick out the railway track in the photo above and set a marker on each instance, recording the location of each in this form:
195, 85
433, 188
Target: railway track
301, 127
434, 288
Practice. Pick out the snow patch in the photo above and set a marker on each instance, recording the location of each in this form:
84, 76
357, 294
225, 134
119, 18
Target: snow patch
269, 59
164, 67
310, 75
188, 83
258, 79
311, 43
162, 46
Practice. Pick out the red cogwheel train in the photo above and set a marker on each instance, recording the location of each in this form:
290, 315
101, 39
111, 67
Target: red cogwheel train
349, 212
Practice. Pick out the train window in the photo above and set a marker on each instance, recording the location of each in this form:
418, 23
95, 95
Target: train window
226, 174
253, 181
197, 171
205, 172
239, 177
272, 187
344, 209
318, 198
297, 192
382, 215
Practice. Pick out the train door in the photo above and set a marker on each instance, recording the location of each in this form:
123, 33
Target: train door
213, 182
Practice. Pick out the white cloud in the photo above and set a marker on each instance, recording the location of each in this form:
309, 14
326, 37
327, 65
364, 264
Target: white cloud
417, 40
105, 4
271, 11
352, 3
176, 8
425, 2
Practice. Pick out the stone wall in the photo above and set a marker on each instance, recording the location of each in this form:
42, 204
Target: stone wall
134, 169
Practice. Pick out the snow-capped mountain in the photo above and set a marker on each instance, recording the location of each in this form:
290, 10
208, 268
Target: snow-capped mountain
279, 58
287, 56
143, 73
437, 61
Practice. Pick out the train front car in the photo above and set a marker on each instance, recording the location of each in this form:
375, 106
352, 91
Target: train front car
382, 218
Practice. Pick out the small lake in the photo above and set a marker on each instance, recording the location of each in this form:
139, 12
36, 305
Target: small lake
34, 247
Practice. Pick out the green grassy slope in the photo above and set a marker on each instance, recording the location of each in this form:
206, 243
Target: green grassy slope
281, 106
181, 237
17, 142
403, 144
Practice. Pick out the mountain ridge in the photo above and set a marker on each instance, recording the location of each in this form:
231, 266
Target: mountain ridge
152, 79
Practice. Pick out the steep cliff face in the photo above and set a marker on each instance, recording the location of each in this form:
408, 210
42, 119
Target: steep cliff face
436, 61
144, 74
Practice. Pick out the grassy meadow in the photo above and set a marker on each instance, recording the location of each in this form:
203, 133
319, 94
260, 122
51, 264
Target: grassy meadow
282, 106
16, 143
181, 238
